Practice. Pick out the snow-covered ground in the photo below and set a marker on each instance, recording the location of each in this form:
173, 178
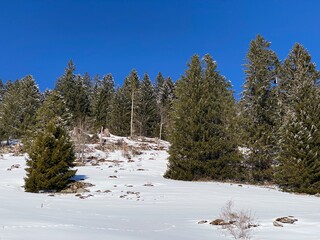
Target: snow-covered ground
144, 205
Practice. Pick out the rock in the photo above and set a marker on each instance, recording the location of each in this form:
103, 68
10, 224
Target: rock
81, 190
129, 185
219, 221
317, 195
107, 191
113, 176
148, 185
277, 224
202, 221
51, 195
289, 219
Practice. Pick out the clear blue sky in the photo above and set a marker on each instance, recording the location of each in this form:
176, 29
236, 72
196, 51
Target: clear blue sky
38, 37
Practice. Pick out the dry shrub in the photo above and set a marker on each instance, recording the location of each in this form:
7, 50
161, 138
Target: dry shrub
238, 223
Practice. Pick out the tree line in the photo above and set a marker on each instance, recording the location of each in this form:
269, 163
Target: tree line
137, 108
270, 136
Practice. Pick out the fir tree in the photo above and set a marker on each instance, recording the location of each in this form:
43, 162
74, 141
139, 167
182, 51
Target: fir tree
102, 101
299, 168
165, 99
124, 106
53, 106
121, 110
147, 115
260, 109
17, 111
50, 158
201, 144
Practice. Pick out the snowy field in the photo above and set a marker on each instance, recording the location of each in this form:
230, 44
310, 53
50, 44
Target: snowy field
141, 204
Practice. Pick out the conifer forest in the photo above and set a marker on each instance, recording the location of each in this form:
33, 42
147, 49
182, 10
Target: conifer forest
271, 135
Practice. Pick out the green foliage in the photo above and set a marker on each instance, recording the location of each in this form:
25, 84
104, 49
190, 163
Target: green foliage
147, 115
260, 109
299, 164
53, 106
201, 144
123, 107
102, 101
76, 91
165, 96
17, 110
50, 158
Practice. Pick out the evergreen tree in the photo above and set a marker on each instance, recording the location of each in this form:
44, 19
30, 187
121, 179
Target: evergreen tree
102, 101
260, 109
50, 158
121, 110
30, 98
2, 90
53, 106
124, 106
17, 111
165, 97
299, 168
66, 86
147, 115
201, 143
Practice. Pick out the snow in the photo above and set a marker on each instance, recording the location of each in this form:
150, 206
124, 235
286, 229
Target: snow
154, 208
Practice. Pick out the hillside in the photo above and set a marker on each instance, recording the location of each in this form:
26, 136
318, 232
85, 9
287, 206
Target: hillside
129, 199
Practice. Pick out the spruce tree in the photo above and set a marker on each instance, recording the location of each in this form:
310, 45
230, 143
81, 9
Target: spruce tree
124, 106
53, 106
147, 115
50, 158
165, 97
17, 111
102, 101
299, 164
121, 110
260, 109
201, 144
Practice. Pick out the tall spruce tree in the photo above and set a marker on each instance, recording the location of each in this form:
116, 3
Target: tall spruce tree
17, 111
53, 106
50, 158
299, 164
165, 97
121, 110
124, 106
201, 144
260, 109
102, 101
147, 115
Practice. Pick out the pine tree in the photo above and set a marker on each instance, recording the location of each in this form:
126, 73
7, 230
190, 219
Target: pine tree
50, 158
124, 106
102, 101
299, 168
53, 106
2, 90
260, 109
17, 111
121, 110
147, 115
201, 144
165, 97
30, 98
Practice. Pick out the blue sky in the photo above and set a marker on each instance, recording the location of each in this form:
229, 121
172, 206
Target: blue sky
38, 37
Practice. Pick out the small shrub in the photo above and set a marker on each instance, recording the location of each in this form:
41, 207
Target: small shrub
238, 223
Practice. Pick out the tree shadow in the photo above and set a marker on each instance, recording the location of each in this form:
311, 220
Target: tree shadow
77, 178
